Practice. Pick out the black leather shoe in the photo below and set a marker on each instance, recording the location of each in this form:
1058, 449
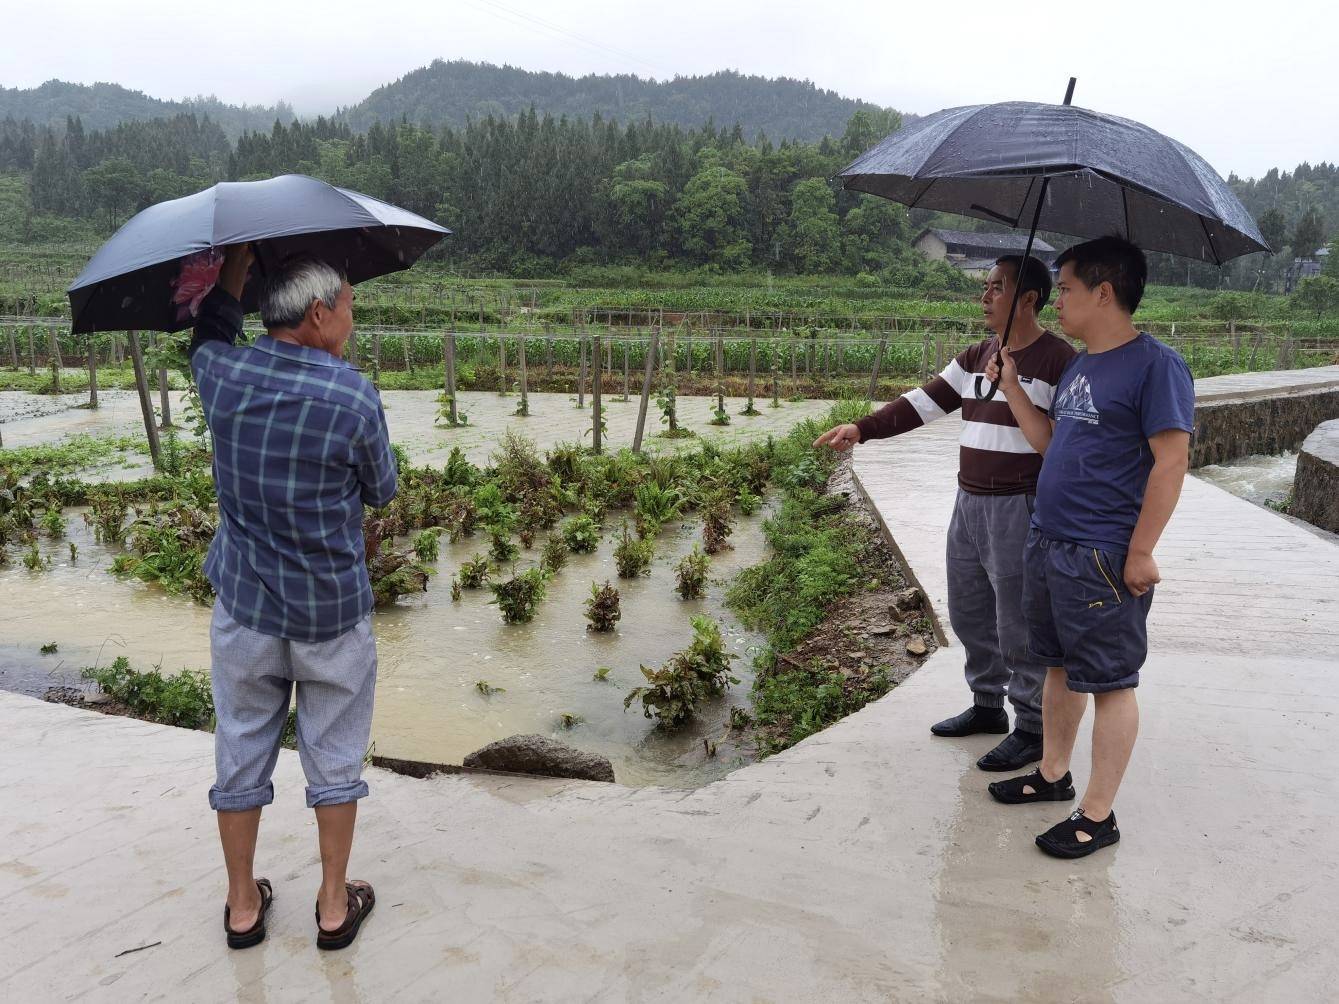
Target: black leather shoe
973, 721
1017, 751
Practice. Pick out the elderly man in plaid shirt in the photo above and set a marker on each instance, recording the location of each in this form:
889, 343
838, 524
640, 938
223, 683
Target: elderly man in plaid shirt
300, 445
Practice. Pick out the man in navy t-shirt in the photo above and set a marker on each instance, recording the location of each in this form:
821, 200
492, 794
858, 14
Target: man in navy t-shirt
1116, 447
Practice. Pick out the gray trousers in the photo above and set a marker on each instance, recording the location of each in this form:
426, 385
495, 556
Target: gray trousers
985, 602
253, 676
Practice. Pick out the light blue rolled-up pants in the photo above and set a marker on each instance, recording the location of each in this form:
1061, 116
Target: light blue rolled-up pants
253, 676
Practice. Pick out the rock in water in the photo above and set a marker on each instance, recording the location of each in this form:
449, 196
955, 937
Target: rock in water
541, 755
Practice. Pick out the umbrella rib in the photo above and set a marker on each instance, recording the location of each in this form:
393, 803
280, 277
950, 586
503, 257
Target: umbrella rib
1125, 206
1212, 250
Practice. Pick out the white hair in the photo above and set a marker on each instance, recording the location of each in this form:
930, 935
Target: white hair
293, 286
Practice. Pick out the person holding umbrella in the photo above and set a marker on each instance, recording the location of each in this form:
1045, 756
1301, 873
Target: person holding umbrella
300, 446
1116, 448
997, 481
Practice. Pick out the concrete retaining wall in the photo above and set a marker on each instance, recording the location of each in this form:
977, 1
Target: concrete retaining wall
1231, 427
1316, 488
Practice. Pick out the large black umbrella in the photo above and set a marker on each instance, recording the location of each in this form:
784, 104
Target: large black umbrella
1063, 169
152, 269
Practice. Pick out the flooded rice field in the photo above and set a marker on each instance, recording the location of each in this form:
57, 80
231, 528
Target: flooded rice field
433, 652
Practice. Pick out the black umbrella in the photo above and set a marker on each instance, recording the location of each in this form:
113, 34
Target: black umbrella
1063, 169
148, 273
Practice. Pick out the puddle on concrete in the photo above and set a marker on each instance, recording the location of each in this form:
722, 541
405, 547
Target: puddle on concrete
432, 651
1257, 478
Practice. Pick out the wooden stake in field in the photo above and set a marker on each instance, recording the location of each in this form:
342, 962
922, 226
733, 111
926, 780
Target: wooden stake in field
581, 373
753, 369
626, 371
596, 411
501, 364
646, 389
145, 401
32, 353
376, 359
524, 409
165, 402
449, 368
878, 363
92, 374
13, 350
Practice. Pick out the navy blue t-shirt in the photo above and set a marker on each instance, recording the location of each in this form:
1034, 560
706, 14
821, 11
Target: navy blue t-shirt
1106, 407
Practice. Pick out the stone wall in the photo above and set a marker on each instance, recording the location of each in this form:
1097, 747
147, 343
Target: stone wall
1228, 428
1316, 488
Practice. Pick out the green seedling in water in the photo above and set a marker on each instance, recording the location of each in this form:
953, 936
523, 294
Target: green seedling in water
49, 648
487, 689
455, 590
570, 721
74, 552
33, 560
602, 674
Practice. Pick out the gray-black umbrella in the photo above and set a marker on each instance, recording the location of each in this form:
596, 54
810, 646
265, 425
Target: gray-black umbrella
1064, 169
151, 271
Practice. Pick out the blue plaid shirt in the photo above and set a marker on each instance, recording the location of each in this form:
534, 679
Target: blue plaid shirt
300, 445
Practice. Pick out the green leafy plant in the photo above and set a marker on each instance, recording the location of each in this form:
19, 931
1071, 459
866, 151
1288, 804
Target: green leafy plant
581, 534
633, 556
455, 590
716, 525
602, 608
691, 574
501, 548
107, 516
426, 544
602, 674
74, 552
475, 573
50, 648
519, 597
567, 720
747, 501
655, 506
53, 523
554, 555
487, 689
702, 670
183, 699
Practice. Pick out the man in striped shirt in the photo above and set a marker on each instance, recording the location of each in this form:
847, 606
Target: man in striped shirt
997, 482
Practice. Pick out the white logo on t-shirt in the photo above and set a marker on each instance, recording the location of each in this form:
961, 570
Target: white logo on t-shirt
1076, 401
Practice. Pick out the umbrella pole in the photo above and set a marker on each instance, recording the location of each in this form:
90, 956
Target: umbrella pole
1018, 285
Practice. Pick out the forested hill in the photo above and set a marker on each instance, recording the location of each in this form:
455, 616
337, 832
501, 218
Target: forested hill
452, 93
102, 106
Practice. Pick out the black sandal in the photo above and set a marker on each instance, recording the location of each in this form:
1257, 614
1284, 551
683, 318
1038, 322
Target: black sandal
1011, 792
361, 901
255, 934
1062, 839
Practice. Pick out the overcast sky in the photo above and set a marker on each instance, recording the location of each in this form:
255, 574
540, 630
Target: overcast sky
1249, 86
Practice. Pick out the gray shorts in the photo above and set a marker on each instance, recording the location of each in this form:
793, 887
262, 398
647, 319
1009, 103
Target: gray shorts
253, 676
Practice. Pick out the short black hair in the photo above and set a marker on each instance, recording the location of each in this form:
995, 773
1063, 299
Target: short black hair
1109, 259
1031, 275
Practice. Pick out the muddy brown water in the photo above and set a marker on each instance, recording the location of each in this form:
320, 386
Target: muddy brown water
432, 651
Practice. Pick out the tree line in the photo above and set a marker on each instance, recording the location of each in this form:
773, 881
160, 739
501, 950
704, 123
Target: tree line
528, 193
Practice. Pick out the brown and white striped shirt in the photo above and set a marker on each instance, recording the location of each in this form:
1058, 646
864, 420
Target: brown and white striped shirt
994, 457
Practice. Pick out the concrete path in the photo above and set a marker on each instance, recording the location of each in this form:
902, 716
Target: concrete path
866, 864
